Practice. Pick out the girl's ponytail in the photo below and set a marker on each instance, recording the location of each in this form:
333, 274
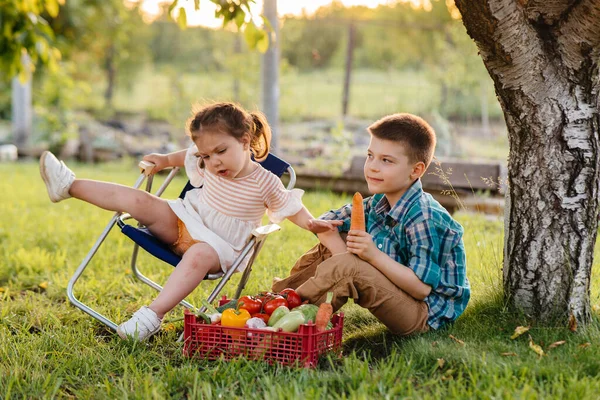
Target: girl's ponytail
261, 136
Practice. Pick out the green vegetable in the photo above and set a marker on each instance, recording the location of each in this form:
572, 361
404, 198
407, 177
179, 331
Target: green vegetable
309, 311
205, 317
209, 307
290, 322
230, 304
277, 314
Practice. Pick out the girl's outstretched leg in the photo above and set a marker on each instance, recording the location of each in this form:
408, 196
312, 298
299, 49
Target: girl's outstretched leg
198, 260
150, 210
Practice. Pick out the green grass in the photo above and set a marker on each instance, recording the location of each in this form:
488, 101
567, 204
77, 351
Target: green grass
50, 349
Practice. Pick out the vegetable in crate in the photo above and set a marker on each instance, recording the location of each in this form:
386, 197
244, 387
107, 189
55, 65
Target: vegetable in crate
290, 322
250, 303
292, 297
324, 313
264, 317
231, 304
272, 304
235, 318
357, 217
279, 312
309, 311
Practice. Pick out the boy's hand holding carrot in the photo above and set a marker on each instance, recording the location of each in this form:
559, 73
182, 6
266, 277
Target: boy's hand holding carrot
358, 241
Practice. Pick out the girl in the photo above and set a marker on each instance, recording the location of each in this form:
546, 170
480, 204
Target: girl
209, 227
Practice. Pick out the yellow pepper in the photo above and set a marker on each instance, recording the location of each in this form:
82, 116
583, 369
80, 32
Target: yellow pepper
235, 318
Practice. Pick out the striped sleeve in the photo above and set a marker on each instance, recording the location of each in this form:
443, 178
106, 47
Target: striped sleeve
280, 202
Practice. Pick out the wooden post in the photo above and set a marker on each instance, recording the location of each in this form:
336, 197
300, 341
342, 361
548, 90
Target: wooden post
22, 107
349, 53
270, 73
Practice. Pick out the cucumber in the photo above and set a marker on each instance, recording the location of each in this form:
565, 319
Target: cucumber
290, 322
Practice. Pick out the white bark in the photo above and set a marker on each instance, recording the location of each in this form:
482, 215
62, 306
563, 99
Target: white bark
543, 57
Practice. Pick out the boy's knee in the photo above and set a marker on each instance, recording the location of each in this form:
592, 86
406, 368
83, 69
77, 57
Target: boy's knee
339, 266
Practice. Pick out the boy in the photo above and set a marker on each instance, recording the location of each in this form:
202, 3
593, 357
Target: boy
409, 268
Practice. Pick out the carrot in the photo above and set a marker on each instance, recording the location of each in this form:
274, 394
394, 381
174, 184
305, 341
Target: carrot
324, 314
357, 218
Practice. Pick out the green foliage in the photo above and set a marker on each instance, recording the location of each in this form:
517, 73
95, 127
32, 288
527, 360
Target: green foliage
50, 349
25, 32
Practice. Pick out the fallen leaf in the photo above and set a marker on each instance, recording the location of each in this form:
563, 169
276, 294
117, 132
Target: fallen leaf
584, 345
572, 323
509, 354
440, 363
433, 344
448, 375
556, 344
519, 330
43, 285
536, 348
456, 340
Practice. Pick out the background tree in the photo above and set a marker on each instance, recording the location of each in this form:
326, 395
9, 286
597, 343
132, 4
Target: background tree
543, 57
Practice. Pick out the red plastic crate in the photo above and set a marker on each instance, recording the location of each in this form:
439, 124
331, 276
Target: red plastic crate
302, 348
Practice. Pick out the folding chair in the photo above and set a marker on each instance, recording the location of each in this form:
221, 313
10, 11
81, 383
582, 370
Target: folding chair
144, 239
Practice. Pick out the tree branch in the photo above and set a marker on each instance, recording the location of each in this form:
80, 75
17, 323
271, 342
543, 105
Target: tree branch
509, 45
579, 34
547, 12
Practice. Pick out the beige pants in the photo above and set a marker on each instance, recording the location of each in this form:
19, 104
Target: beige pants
346, 275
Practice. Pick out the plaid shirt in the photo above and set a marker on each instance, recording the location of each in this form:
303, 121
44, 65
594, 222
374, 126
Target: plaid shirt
420, 234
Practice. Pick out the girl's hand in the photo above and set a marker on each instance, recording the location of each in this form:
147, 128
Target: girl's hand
321, 226
361, 243
160, 160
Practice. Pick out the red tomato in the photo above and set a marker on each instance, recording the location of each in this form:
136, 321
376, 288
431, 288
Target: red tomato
292, 297
264, 317
250, 303
272, 304
265, 296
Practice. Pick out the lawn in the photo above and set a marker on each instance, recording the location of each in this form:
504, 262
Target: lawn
50, 349
313, 95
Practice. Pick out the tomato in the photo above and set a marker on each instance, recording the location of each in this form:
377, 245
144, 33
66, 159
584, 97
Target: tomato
250, 303
292, 298
265, 296
264, 317
272, 304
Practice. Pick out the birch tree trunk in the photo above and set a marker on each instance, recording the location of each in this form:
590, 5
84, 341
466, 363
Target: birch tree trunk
543, 56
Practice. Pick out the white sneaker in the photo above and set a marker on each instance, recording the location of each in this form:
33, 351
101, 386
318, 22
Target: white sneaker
57, 177
143, 324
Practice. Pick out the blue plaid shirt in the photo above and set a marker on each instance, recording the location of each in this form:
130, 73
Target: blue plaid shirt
419, 233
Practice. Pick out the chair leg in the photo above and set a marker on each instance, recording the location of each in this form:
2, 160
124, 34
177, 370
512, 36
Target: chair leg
244, 279
71, 286
149, 281
80, 270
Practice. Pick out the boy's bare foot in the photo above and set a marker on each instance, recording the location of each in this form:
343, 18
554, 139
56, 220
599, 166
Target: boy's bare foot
57, 177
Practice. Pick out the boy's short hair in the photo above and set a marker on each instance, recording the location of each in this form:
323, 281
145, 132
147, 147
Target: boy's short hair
412, 131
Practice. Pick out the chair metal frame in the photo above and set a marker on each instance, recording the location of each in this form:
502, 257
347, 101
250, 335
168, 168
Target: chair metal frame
254, 245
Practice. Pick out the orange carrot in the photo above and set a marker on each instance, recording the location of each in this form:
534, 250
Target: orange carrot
324, 314
357, 218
